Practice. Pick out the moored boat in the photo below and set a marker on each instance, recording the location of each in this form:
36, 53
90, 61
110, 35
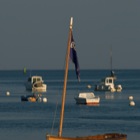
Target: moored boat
36, 84
107, 84
30, 98
87, 98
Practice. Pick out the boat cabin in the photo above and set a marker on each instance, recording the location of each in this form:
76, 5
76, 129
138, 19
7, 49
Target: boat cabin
86, 95
35, 79
108, 81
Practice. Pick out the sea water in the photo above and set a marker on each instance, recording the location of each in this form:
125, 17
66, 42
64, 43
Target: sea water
26, 120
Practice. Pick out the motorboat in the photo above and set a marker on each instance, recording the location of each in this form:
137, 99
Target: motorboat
107, 84
87, 98
35, 83
32, 98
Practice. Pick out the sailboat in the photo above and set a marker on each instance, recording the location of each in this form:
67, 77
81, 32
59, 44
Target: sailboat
114, 136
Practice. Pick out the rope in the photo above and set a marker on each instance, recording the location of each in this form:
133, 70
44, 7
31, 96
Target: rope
56, 106
54, 116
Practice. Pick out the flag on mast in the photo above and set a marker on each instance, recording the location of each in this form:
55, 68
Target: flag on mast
74, 58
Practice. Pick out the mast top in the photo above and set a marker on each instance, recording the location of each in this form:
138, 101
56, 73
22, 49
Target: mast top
71, 22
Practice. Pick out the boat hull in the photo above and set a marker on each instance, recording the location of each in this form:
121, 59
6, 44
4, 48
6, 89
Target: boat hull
107, 88
110, 136
41, 88
28, 98
87, 101
23, 98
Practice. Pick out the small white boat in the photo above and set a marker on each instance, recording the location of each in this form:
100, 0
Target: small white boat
36, 84
107, 84
87, 98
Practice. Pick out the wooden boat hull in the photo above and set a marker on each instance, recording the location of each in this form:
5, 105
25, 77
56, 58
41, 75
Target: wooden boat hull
109, 136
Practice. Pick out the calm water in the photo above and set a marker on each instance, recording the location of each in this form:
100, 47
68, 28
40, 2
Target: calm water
20, 120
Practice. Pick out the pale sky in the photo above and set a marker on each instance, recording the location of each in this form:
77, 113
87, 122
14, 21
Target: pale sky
34, 33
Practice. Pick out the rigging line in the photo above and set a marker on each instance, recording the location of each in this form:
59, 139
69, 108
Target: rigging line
54, 115
57, 103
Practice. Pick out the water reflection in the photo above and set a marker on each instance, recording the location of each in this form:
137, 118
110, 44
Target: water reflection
109, 95
88, 104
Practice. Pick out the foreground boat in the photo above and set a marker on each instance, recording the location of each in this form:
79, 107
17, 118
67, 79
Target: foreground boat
113, 136
36, 84
87, 98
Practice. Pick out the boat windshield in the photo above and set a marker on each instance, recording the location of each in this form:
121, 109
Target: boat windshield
39, 79
109, 80
34, 80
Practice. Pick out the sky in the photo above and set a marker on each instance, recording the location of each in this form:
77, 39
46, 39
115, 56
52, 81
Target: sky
34, 33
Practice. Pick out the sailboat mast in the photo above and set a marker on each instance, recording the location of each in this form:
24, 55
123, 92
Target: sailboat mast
65, 79
111, 58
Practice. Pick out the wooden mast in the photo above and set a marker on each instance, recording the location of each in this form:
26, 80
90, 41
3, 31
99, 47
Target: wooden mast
65, 79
